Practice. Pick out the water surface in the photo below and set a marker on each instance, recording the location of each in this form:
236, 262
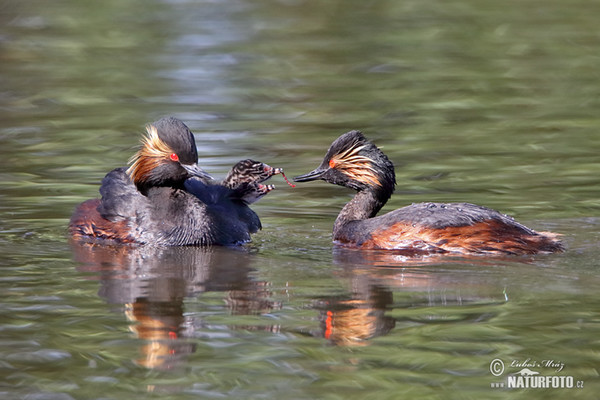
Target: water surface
494, 104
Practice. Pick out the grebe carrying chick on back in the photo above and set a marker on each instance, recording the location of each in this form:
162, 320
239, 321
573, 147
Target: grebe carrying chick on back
419, 229
164, 198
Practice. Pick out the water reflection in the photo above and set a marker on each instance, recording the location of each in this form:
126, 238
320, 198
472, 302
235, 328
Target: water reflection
400, 258
152, 284
352, 321
381, 298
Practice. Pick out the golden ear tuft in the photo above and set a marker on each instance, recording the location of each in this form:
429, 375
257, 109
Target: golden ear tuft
153, 152
356, 166
153, 146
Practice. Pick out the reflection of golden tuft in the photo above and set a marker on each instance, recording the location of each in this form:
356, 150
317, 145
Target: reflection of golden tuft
156, 355
354, 325
158, 323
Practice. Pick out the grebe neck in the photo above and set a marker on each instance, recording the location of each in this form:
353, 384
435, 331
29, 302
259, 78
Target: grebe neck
144, 187
365, 204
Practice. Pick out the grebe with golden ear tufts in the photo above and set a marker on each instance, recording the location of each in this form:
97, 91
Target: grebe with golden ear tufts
164, 198
425, 228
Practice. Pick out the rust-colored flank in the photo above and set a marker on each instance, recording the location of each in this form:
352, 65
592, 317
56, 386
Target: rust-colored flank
482, 237
87, 223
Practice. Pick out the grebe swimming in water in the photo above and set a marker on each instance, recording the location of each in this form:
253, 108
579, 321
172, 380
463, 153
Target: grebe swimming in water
164, 198
425, 228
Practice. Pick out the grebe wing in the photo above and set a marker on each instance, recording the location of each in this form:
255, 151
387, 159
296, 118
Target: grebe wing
445, 215
226, 210
120, 197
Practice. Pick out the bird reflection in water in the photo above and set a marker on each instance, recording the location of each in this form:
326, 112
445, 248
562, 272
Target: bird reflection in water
352, 321
153, 283
381, 283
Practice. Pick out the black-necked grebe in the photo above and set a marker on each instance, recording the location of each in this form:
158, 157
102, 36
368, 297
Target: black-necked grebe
164, 198
425, 228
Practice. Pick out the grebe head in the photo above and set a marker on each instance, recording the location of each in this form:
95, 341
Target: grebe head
356, 163
168, 155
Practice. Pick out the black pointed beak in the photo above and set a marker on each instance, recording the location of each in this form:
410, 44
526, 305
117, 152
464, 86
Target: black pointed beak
195, 170
311, 176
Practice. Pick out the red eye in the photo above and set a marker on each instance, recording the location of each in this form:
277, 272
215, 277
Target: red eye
332, 163
174, 157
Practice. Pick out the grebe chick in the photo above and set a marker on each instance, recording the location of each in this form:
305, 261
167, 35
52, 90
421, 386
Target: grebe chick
148, 203
425, 228
242, 184
247, 171
245, 179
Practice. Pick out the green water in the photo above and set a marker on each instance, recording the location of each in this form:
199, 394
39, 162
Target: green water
494, 103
